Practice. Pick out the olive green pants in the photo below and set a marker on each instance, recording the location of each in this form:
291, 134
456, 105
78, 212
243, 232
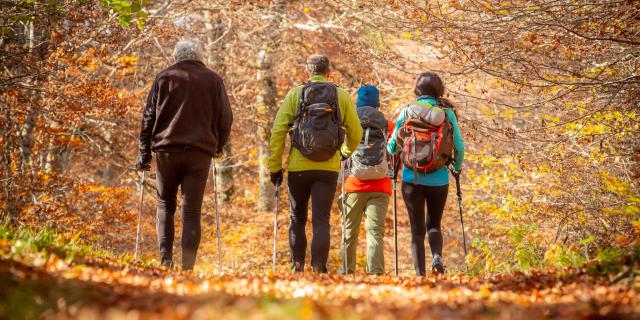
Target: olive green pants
373, 205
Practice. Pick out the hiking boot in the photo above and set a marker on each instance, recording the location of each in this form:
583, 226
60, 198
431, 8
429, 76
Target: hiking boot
297, 266
436, 266
167, 263
320, 269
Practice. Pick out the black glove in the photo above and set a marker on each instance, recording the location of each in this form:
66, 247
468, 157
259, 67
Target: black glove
276, 177
143, 162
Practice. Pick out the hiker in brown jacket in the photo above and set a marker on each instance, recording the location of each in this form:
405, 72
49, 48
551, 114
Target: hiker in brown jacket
187, 120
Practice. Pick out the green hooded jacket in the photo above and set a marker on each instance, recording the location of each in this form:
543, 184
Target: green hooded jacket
284, 122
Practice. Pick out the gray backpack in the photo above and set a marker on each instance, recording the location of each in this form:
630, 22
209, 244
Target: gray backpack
317, 127
426, 139
369, 161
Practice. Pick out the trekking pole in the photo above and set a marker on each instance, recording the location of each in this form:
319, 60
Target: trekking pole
344, 218
215, 195
275, 226
395, 219
464, 238
139, 216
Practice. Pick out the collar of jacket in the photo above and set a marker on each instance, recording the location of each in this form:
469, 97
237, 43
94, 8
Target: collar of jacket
191, 61
429, 99
318, 79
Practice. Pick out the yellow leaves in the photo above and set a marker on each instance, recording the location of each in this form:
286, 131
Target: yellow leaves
470, 87
552, 253
423, 18
508, 114
632, 210
543, 169
612, 184
586, 130
636, 227
306, 10
496, 83
128, 61
503, 12
405, 35
551, 118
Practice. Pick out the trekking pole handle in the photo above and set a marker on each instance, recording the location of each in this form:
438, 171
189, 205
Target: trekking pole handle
457, 177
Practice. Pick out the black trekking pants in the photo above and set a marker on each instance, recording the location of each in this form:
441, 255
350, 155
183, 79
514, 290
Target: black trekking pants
415, 198
189, 170
320, 186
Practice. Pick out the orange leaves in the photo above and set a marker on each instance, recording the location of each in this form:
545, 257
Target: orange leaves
531, 37
106, 280
128, 63
149, 291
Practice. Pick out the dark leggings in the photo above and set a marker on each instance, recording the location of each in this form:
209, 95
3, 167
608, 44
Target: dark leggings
415, 198
320, 186
189, 171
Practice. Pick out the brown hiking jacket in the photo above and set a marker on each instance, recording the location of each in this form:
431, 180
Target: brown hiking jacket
187, 108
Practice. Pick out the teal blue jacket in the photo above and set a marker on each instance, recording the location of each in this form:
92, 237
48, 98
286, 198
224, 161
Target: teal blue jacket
441, 176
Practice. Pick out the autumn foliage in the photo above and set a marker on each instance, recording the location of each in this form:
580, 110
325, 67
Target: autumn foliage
547, 93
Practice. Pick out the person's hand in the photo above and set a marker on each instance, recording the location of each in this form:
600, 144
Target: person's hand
396, 165
456, 173
277, 177
143, 162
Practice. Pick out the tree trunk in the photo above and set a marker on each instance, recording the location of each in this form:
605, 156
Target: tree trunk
266, 105
215, 59
27, 164
57, 154
26, 142
107, 169
224, 180
6, 172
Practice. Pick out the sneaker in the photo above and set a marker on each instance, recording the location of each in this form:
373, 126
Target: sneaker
437, 266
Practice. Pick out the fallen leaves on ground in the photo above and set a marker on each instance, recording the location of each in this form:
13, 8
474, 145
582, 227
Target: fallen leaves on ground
97, 287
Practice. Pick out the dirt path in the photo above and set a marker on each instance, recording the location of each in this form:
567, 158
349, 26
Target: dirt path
105, 288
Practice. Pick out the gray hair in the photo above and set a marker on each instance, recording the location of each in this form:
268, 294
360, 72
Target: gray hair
187, 49
318, 64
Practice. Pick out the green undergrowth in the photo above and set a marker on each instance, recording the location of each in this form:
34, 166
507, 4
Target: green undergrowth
527, 254
23, 241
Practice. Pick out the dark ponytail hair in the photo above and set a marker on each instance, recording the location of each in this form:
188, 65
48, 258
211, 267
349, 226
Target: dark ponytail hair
448, 104
429, 84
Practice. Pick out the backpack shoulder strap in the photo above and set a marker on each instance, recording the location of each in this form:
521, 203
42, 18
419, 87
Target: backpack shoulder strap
336, 105
301, 104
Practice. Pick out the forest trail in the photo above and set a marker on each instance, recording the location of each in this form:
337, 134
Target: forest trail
88, 287
546, 94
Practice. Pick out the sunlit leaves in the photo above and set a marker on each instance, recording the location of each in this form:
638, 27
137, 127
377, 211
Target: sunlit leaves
116, 286
128, 11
